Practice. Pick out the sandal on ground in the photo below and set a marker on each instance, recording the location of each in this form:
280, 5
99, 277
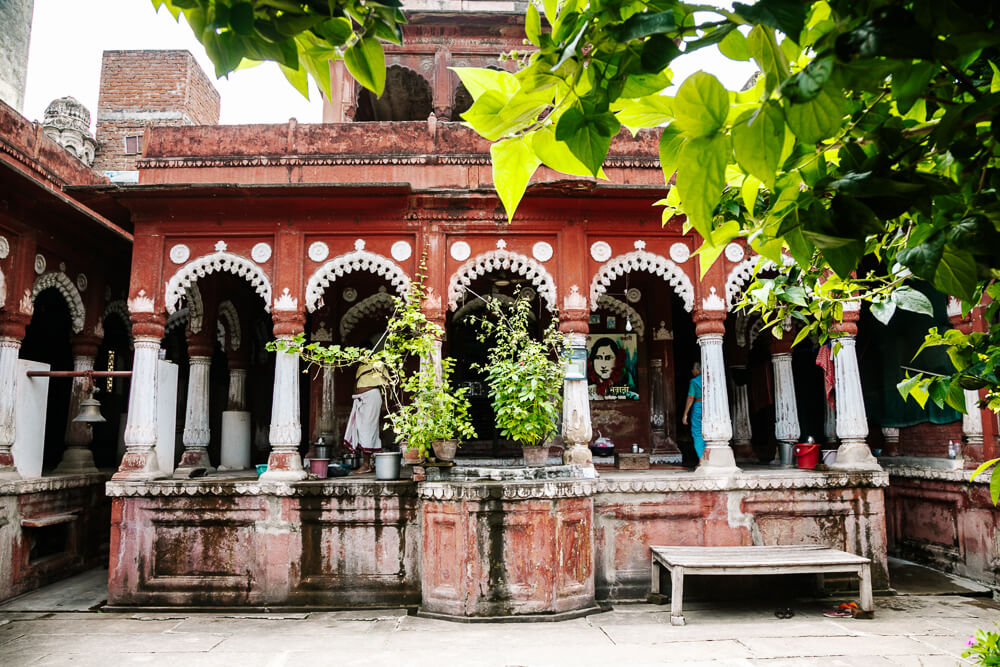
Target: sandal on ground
837, 613
785, 612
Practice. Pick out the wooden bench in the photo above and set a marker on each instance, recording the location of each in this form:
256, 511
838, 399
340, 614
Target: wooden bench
755, 560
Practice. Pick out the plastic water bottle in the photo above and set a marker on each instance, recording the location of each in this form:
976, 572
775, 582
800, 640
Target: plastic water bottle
952, 449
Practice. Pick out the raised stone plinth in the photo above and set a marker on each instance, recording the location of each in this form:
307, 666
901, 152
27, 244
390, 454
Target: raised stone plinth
508, 550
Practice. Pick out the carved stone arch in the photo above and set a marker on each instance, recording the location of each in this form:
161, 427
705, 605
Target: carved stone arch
219, 261
177, 319
740, 275
357, 260
479, 303
60, 281
407, 96
622, 309
642, 260
378, 302
229, 319
196, 308
502, 259
119, 309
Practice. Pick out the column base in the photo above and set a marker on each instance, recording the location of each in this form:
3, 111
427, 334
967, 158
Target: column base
717, 460
579, 455
192, 460
9, 474
76, 459
284, 467
7, 468
139, 466
664, 444
855, 456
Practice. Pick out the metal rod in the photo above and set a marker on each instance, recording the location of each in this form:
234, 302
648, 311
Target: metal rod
79, 374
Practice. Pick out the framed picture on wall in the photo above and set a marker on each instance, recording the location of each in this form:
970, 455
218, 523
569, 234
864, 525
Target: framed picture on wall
595, 318
612, 363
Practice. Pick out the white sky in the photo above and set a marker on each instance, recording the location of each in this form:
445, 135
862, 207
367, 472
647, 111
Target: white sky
68, 37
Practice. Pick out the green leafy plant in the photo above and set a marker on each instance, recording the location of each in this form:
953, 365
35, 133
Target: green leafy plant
984, 648
994, 478
301, 36
420, 408
524, 374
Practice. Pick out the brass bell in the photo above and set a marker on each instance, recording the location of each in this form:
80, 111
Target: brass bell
90, 411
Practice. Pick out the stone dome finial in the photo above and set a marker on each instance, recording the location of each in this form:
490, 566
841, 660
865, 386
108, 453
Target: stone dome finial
67, 122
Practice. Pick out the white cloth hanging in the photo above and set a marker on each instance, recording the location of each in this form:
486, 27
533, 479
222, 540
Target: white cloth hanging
362, 425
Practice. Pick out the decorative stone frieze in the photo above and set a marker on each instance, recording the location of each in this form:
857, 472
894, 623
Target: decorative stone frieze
937, 474
527, 490
61, 282
507, 260
358, 260
742, 481
220, 261
14, 487
642, 260
214, 487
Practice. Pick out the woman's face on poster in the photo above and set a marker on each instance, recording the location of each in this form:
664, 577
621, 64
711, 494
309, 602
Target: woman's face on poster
604, 361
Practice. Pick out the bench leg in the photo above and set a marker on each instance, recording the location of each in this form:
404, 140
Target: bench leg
676, 595
820, 584
865, 586
654, 582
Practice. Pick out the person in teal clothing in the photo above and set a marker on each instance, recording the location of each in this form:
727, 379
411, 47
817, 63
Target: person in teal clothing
693, 406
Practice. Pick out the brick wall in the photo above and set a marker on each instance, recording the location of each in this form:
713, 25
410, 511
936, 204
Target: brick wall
140, 89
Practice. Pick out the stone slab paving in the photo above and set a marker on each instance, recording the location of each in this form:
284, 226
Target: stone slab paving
912, 630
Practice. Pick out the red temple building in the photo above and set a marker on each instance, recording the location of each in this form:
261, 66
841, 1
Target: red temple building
228, 237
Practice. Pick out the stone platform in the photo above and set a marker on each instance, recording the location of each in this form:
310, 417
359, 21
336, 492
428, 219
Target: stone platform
466, 547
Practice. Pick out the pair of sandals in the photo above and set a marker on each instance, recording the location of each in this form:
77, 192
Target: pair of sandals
784, 612
846, 610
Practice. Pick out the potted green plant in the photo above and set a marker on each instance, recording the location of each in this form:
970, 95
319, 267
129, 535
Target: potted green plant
525, 377
437, 415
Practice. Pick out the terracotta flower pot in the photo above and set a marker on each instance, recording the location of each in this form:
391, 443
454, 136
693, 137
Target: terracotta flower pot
444, 450
412, 456
535, 457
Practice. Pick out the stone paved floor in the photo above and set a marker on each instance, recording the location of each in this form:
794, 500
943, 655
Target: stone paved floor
907, 630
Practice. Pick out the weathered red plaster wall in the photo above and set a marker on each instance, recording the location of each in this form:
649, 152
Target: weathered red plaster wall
951, 525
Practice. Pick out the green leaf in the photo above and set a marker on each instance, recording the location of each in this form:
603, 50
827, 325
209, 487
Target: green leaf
533, 25
241, 18
913, 300
956, 274
701, 105
806, 85
788, 16
995, 487
986, 465
710, 249
657, 52
484, 114
768, 55
906, 387
748, 192
909, 82
478, 80
641, 85
588, 135
551, 9
956, 397
923, 259
365, 61
650, 111
734, 46
298, 78
644, 25
555, 154
883, 311
671, 143
757, 143
818, 118
700, 179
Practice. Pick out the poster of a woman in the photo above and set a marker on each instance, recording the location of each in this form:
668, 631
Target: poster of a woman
611, 367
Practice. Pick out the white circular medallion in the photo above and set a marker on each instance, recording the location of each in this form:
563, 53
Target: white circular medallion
600, 251
318, 251
401, 251
460, 251
679, 252
734, 252
350, 294
81, 282
633, 295
40, 264
260, 253
542, 251
4, 247
179, 253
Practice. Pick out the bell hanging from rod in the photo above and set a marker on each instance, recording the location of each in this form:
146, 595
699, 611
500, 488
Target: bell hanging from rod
90, 410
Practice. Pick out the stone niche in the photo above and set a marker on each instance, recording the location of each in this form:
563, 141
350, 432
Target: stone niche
507, 549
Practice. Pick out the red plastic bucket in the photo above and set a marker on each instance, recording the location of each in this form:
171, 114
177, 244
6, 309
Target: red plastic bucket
806, 455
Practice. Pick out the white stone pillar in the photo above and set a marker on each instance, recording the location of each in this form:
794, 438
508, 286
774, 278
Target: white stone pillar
9, 348
237, 399
716, 425
852, 420
284, 463
786, 408
742, 430
891, 437
197, 433
78, 458
577, 430
139, 461
972, 420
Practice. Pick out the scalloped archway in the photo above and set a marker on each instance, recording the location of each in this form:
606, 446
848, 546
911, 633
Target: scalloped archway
356, 260
642, 260
229, 318
60, 281
622, 309
380, 301
219, 261
119, 309
507, 260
